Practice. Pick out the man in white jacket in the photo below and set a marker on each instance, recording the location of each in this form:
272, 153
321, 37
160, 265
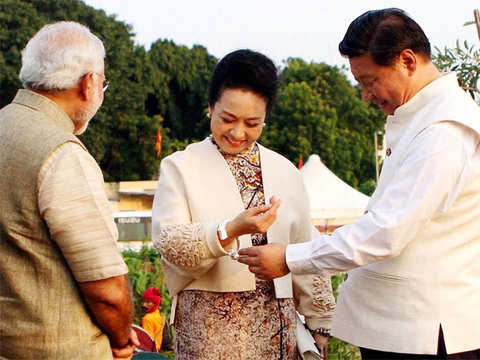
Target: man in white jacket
414, 277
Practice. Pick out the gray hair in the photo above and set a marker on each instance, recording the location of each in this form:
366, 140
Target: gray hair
58, 55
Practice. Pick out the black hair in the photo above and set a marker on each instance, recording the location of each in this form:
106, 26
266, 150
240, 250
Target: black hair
245, 69
384, 34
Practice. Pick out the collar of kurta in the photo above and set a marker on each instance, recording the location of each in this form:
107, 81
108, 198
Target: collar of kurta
430, 91
399, 122
46, 106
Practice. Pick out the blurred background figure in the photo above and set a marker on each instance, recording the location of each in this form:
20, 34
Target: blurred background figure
153, 322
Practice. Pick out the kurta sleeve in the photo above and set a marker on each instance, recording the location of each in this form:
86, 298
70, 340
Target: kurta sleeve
73, 202
312, 292
439, 163
190, 248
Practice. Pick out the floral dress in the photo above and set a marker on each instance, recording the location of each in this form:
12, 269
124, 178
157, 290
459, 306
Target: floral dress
236, 325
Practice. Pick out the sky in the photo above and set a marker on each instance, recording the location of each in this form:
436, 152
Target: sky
309, 29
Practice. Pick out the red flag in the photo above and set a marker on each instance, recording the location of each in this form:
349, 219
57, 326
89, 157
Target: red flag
300, 161
158, 143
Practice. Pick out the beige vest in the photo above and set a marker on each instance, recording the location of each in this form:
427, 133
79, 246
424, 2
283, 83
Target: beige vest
42, 312
398, 304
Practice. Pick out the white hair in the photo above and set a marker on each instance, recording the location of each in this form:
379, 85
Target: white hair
58, 55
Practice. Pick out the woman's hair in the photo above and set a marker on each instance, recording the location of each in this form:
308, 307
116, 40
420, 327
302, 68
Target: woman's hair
245, 69
58, 55
384, 34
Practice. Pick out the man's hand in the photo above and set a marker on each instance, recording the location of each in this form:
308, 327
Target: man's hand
255, 220
266, 262
126, 352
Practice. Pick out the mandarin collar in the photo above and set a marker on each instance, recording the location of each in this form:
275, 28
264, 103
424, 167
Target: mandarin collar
430, 91
46, 106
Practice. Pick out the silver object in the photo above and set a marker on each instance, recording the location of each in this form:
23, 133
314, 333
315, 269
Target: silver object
233, 254
222, 230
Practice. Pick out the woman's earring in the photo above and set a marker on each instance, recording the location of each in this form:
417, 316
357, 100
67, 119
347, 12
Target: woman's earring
264, 124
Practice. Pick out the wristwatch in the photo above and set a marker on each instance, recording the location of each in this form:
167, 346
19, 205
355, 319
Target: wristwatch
222, 235
222, 230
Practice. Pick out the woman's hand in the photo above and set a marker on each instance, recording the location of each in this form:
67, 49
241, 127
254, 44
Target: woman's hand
255, 220
322, 345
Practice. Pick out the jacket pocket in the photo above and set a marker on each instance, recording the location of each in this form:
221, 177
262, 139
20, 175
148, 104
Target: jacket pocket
373, 275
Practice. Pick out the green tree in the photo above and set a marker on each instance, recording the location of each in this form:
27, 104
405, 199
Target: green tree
319, 111
300, 114
18, 22
180, 91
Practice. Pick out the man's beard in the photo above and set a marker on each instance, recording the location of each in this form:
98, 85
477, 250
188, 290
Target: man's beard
83, 117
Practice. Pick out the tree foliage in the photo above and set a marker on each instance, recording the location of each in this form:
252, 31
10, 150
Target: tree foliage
180, 94
464, 59
319, 111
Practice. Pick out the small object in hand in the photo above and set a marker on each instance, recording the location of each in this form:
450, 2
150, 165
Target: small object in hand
233, 254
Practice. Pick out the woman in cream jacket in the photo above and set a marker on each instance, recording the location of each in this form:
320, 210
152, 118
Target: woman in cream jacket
211, 200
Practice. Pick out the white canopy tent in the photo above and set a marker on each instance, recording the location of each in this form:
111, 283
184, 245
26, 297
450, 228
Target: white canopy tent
332, 201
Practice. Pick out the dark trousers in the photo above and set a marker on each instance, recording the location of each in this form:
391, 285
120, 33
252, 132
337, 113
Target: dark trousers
368, 354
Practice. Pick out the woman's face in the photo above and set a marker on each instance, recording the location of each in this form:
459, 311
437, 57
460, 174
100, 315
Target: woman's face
237, 119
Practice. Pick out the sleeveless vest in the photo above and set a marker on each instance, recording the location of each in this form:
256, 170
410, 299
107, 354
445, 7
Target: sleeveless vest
398, 304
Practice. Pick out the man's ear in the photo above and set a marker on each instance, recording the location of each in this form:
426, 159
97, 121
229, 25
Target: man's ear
408, 60
85, 85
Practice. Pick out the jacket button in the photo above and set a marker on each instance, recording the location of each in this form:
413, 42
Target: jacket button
389, 151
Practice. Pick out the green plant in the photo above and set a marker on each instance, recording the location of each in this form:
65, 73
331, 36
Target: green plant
465, 61
338, 350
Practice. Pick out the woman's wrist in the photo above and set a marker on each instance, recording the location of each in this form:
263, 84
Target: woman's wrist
231, 230
225, 232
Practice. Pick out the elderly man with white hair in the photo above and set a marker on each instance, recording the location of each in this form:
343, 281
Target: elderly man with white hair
63, 288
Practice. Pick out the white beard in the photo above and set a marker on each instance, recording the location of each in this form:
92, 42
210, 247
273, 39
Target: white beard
82, 118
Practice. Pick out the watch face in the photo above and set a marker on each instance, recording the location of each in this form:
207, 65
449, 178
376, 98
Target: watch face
222, 230
223, 236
